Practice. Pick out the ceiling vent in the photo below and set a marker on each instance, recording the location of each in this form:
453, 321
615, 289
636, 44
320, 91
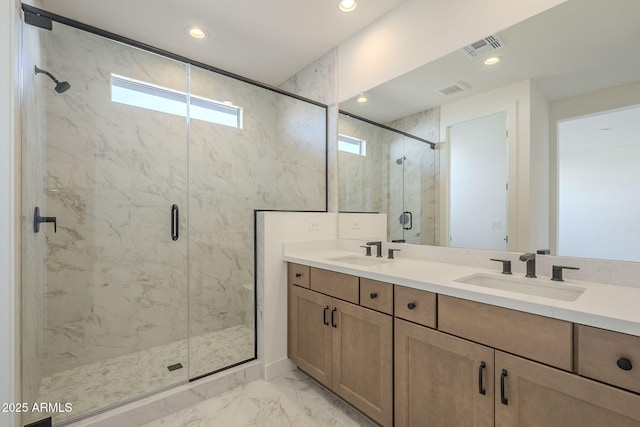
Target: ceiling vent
483, 46
454, 88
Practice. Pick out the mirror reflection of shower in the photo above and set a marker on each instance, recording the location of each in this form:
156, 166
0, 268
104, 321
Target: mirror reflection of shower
61, 87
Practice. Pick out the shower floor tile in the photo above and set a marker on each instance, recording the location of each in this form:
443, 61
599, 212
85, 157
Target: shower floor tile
292, 399
102, 384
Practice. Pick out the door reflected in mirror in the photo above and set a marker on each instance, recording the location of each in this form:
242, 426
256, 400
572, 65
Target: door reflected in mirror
575, 60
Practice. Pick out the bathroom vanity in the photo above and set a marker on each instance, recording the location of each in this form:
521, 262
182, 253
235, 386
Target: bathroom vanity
408, 344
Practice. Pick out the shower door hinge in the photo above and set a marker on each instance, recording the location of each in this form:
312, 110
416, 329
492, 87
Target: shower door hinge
33, 18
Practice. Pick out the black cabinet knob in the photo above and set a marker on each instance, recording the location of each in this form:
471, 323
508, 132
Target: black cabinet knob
373, 295
298, 274
411, 306
624, 364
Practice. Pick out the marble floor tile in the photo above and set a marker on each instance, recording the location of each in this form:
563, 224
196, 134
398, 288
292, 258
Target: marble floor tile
292, 399
98, 385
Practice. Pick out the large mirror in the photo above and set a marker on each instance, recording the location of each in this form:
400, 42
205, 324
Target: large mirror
538, 150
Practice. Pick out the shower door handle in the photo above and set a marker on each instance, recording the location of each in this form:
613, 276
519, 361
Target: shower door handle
175, 224
407, 213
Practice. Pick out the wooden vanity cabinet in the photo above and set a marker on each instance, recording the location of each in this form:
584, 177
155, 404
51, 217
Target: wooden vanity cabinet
538, 395
483, 365
441, 380
345, 347
438, 376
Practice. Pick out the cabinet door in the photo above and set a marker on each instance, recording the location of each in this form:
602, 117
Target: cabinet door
309, 333
363, 360
537, 395
441, 380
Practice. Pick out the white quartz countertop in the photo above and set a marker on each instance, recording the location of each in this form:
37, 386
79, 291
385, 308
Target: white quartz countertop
601, 305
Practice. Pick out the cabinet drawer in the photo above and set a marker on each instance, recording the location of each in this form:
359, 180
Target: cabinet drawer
342, 286
298, 275
535, 337
600, 351
415, 305
376, 295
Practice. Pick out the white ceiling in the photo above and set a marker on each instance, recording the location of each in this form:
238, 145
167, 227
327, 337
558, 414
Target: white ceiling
267, 41
612, 129
577, 47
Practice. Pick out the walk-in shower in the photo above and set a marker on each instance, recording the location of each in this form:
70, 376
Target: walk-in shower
396, 175
152, 168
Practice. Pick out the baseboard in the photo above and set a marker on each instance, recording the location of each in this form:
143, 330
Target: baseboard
275, 369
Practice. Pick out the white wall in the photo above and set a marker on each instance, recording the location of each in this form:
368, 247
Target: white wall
272, 230
418, 32
596, 219
602, 100
9, 364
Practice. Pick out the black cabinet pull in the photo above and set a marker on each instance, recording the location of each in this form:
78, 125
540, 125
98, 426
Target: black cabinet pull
324, 316
175, 227
373, 295
411, 306
624, 364
481, 388
298, 274
503, 399
333, 321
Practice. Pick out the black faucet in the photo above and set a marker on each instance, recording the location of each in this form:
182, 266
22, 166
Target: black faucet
378, 248
530, 258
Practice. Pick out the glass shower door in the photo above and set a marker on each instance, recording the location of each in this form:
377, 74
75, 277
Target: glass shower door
112, 153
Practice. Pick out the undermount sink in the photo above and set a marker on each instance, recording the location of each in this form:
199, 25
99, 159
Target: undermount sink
527, 286
360, 260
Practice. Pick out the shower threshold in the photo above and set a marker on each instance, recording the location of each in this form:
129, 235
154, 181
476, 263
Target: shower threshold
95, 386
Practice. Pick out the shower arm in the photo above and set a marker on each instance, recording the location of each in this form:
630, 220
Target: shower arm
38, 71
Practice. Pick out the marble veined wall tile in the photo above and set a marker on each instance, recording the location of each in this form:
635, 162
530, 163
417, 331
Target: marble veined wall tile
362, 182
318, 81
275, 161
116, 283
421, 181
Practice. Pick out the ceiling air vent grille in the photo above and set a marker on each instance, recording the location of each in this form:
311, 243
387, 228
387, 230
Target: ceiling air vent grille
483, 46
454, 88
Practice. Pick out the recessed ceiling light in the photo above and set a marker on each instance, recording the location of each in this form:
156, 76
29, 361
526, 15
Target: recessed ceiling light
492, 60
197, 32
347, 5
361, 98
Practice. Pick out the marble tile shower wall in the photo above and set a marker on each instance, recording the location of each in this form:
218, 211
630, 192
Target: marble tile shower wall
33, 194
116, 283
424, 177
363, 183
377, 183
318, 81
275, 162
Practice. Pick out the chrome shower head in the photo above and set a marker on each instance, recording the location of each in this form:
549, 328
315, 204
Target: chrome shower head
401, 160
60, 86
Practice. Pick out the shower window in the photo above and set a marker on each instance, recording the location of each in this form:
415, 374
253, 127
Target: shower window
146, 95
349, 144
